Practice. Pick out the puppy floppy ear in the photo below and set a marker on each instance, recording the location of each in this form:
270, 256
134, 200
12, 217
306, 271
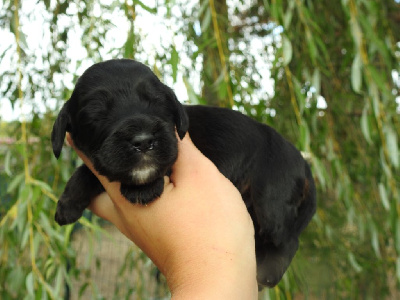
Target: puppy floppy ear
180, 116
60, 127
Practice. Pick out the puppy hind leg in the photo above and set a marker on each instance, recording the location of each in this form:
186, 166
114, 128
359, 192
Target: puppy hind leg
81, 188
272, 262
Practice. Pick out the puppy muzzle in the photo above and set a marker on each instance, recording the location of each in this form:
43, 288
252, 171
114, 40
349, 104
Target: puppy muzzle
144, 142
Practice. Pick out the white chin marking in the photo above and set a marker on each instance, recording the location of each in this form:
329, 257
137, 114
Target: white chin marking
141, 176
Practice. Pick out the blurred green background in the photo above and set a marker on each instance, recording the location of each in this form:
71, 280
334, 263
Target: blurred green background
324, 73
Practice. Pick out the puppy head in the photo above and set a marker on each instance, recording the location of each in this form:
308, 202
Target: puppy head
138, 150
124, 119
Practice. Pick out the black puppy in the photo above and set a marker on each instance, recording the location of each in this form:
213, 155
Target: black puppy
124, 119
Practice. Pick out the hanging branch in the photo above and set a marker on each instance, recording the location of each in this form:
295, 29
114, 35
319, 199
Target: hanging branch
221, 51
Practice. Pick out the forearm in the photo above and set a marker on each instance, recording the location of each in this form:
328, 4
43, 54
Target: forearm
224, 281
226, 273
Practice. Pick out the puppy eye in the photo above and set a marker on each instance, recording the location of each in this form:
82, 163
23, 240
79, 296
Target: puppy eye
127, 139
123, 137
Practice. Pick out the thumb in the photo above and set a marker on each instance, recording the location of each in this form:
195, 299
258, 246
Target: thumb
190, 164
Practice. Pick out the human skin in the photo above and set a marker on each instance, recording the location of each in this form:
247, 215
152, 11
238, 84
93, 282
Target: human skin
198, 233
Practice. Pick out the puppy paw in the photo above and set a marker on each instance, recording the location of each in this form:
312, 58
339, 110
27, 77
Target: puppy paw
81, 188
143, 194
67, 214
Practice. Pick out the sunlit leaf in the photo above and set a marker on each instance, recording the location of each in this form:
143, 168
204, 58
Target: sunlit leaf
365, 125
222, 90
24, 238
174, 63
379, 78
316, 81
375, 241
319, 172
42, 184
204, 5
356, 31
287, 50
311, 46
393, 146
304, 136
353, 262
7, 163
383, 196
59, 281
29, 284
205, 24
287, 17
16, 181
374, 95
49, 268
129, 44
356, 73
193, 98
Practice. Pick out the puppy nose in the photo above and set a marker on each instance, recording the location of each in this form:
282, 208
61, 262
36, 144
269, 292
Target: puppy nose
143, 142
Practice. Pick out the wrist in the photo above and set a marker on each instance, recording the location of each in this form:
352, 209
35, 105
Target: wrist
221, 275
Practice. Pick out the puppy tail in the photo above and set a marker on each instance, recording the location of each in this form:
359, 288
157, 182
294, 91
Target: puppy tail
60, 127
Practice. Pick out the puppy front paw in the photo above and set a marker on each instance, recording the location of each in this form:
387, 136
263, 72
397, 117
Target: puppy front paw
66, 213
143, 194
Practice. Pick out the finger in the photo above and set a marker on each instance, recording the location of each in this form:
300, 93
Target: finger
166, 181
190, 162
85, 159
168, 185
103, 207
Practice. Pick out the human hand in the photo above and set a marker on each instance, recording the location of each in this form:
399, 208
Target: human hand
198, 233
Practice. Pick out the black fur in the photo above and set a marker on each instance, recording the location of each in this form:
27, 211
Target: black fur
123, 118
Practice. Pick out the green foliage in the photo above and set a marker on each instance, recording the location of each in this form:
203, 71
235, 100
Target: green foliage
346, 54
323, 73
